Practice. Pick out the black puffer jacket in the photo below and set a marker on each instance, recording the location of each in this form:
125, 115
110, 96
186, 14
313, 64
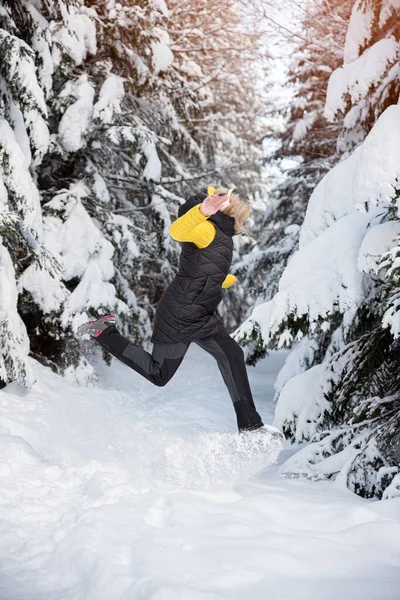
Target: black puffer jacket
186, 310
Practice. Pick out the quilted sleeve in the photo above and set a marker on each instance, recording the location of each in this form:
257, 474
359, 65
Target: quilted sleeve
193, 227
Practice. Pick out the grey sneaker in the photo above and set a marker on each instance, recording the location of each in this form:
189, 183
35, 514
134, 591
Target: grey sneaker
273, 432
96, 328
265, 430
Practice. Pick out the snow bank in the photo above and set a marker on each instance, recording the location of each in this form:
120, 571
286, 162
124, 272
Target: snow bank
127, 491
133, 434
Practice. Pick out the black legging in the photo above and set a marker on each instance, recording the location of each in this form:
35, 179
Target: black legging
160, 366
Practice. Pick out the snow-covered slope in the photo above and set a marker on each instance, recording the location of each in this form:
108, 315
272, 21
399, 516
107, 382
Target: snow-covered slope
130, 492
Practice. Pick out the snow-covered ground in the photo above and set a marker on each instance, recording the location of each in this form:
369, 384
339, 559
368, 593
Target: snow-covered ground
131, 492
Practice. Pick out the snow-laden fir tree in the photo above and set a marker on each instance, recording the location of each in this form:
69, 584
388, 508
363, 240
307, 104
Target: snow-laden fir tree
338, 298
307, 143
24, 139
153, 155
60, 31
369, 80
100, 178
77, 223
113, 151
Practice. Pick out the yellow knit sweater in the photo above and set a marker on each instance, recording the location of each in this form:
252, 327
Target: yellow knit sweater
194, 227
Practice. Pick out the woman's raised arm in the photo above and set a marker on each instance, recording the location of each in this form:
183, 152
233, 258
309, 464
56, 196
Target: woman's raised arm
193, 227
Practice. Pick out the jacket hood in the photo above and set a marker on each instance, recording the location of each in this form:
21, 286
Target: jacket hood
221, 220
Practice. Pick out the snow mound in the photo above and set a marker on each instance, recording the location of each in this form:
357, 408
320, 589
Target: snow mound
211, 461
85, 433
126, 493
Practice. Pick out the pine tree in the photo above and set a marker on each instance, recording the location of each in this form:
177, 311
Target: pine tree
105, 213
306, 139
340, 289
24, 139
63, 33
111, 148
371, 48
155, 153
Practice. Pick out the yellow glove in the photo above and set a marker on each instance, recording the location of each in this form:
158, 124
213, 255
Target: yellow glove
229, 280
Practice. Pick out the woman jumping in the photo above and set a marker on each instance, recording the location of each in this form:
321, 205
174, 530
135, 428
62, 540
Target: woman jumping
186, 313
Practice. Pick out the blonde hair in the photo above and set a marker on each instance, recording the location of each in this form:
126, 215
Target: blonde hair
238, 208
